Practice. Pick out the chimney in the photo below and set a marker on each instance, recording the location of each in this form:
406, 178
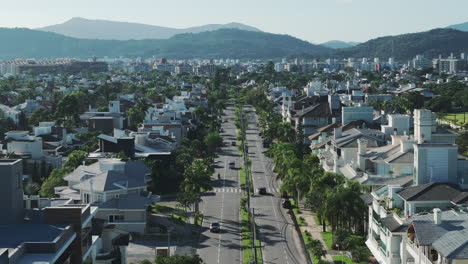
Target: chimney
437, 216
362, 146
337, 132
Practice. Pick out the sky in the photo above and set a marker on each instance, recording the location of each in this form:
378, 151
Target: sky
316, 21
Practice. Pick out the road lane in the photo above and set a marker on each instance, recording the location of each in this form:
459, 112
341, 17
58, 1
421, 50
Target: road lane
223, 204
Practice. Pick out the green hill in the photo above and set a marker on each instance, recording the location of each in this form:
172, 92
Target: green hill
430, 43
222, 43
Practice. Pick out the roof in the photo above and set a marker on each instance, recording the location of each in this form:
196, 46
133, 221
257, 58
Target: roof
15, 234
320, 110
132, 176
349, 138
127, 202
367, 198
379, 181
107, 138
430, 192
391, 224
453, 245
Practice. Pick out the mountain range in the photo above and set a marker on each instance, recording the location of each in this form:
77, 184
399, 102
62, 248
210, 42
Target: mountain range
462, 26
221, 43
430, 43
338, 44
78, 27
228, 43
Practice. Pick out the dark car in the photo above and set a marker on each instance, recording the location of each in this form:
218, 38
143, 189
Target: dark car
262, 191
286, 204
266, 144
215, 227
285, 195
233, 143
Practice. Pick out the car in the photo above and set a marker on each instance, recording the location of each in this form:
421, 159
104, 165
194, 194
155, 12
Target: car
285, 195
233, 143
262, 191
260, 133
232, 164
286, 204
215, 227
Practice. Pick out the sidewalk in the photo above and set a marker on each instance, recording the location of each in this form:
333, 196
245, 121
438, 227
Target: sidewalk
315, 230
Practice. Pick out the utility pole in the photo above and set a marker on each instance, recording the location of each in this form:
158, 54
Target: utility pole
251, 214
254, 232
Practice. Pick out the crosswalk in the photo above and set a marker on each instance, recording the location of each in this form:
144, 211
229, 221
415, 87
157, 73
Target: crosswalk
227, 190
239, 190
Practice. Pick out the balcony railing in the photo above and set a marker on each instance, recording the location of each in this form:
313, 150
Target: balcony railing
416, 253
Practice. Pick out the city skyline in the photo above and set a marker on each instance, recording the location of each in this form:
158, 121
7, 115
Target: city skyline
298, 19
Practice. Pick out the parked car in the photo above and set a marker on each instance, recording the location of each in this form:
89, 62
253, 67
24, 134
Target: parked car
262, 191
215, 227
285, 195
233, 143
232, 164
286, 204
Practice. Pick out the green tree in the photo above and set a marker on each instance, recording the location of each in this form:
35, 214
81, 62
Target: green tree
213, 141
31, 188
316, 248
360, 253
137, 113
462, 142
197, 177
69, 109
339, 236
55, 179
75, 159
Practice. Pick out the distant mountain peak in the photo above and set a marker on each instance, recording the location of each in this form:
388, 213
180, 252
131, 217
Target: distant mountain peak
339, 44
84, 28
461, 26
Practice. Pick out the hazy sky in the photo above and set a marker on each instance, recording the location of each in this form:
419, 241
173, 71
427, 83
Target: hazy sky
312, 20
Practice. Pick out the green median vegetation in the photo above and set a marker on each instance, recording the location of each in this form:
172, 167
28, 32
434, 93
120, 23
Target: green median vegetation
247, 253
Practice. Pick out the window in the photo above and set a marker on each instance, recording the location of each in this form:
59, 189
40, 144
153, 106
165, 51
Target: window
116, 218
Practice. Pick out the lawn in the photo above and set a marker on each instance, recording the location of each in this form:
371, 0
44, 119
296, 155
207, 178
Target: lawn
242, 177
301, 221
163, 208
295, 207
247, 240
328, 238
178, 218
456, 118
343, 259
307, 239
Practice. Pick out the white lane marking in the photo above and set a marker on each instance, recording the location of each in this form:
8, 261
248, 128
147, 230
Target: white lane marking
222, 209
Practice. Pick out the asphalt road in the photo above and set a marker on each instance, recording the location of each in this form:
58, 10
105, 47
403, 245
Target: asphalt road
281, 242
223, 204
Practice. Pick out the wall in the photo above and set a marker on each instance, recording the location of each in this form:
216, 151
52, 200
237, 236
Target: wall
26, 147
11, 191
357, 113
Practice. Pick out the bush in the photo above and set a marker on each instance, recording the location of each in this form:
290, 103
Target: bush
339, 236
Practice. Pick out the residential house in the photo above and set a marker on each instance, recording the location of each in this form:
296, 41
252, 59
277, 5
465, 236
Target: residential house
117, 188
60, 233
402, 229
10, 112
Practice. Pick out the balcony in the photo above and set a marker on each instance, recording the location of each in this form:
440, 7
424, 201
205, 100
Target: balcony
416, 253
